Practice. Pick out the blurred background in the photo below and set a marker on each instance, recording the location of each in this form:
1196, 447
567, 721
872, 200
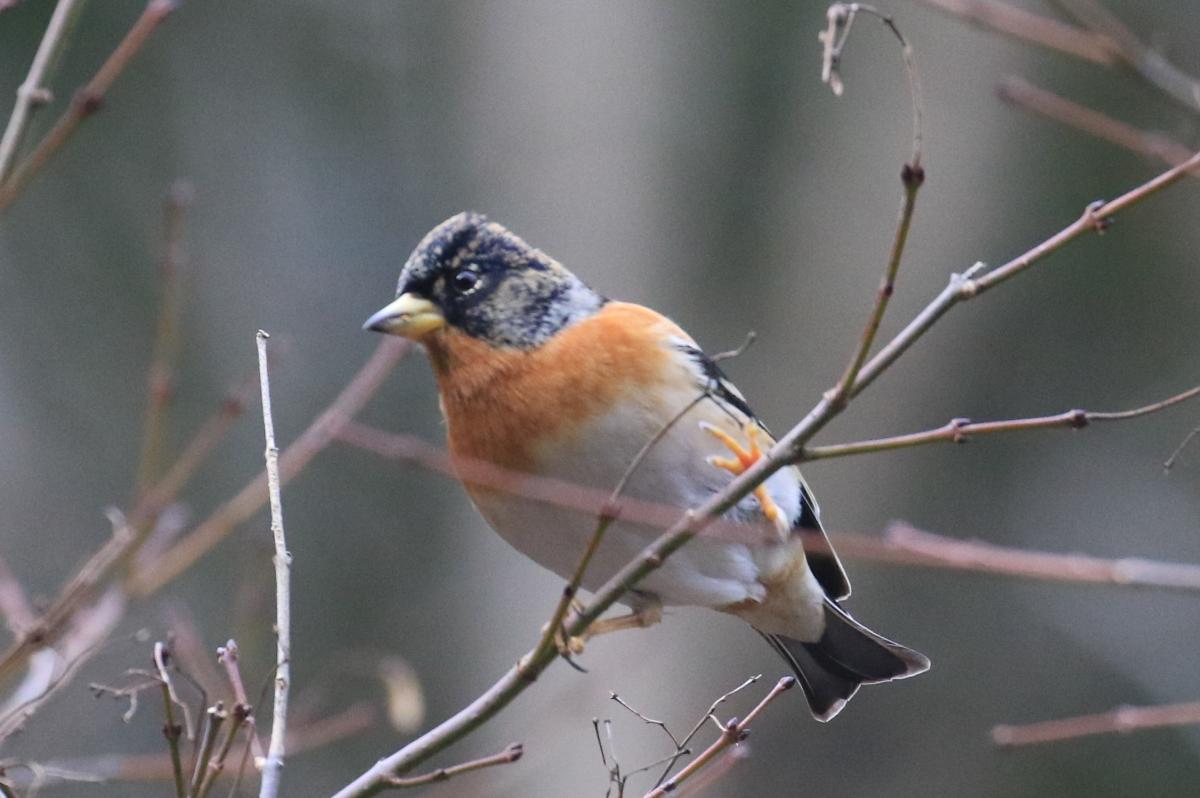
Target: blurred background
678, 154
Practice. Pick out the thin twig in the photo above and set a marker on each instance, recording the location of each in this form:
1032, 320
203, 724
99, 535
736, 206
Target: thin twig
1183, 444
214, 718
912, 177
505, 757
292, 461
903, 544
961, 430
238, 716
34, 92
273, 767
227, 655
681, 748
1151, 144
161, 378
1122, 720
171, 729
840, 19
87, 101
732, 733
1034, 28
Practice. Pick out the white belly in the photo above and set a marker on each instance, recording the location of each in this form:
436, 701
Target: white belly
707, 571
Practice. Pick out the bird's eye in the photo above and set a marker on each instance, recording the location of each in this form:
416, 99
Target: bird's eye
465, 281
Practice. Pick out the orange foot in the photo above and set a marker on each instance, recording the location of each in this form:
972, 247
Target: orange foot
742, 459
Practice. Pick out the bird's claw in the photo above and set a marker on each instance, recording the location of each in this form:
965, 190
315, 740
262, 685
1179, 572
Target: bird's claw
743, 458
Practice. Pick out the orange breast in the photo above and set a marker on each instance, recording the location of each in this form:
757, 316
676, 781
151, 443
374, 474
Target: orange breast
500, 403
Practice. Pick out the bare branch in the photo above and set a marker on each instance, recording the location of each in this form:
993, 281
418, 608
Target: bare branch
901, 545
961, 430
1170, 461
912, 176
88, 101
227, 655
906, 545
840, 18
1120, 721
273, 767
732, 733
505, 757
171, 730
214, 718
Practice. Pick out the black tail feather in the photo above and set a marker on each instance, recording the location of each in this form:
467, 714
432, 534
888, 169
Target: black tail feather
847, 655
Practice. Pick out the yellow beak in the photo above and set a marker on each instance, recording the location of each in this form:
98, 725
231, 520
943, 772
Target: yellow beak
409, 316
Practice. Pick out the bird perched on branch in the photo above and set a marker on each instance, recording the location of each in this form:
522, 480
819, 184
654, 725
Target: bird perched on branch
538, 373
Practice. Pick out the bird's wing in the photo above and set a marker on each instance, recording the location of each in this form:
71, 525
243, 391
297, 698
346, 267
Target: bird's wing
826, 567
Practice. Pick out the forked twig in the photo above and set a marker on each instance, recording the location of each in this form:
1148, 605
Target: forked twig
732, 733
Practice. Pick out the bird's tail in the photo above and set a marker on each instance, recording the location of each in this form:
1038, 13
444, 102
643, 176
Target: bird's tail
847, 655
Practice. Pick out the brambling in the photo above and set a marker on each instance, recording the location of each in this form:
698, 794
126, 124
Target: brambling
538, 373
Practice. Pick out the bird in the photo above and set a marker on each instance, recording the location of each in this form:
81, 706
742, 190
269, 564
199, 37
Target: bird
538, 373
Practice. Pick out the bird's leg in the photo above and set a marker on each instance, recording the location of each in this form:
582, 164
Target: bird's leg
567, 645
647, 614
742, 459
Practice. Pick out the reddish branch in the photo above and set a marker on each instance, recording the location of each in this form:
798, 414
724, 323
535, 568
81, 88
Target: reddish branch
901, 544
1120, 721
732, 733
505, 757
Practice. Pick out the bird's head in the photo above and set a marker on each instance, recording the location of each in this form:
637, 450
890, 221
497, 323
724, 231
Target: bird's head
476, 277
